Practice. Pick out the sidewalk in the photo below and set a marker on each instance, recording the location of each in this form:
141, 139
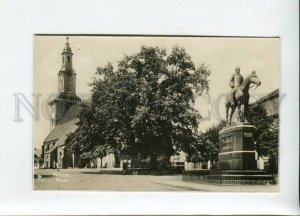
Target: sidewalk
204, 187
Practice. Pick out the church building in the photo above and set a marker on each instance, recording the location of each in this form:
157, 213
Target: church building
64, 116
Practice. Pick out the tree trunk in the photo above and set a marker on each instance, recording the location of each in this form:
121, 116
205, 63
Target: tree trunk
153, 161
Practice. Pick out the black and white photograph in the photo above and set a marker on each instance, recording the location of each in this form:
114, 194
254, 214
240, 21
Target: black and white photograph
138, 107
154, 113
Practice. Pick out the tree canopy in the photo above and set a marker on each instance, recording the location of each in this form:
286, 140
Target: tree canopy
207, 145
144, 106
266, 133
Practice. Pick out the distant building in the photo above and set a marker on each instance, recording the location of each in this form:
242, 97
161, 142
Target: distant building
178, 161
64, 116
38, 161
271, 102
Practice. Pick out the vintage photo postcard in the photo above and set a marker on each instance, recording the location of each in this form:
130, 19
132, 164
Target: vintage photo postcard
156, 113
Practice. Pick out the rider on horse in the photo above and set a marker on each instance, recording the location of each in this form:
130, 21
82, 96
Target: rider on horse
235, 81
239, 96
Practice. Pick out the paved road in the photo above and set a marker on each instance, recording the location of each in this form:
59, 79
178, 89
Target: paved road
80, 180
86, 179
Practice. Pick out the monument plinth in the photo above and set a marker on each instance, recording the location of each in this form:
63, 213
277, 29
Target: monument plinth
236, 159
237, 150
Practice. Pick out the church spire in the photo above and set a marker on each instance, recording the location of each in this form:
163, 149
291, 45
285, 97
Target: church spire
67, 56
67, 46
67, 75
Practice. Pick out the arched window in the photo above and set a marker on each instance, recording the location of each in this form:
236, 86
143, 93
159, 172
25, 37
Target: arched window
68, 59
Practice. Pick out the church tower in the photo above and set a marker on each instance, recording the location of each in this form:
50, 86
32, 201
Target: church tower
67, 75
66, 87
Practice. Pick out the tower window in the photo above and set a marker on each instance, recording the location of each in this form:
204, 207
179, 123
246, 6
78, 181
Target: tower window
68, 59
63, 59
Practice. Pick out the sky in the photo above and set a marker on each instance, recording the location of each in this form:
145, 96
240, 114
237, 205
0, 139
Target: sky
220, 54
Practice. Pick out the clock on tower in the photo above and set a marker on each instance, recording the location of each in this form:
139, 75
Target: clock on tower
66, 86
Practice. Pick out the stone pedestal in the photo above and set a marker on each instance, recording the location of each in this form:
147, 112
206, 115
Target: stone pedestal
237, 148
237, 164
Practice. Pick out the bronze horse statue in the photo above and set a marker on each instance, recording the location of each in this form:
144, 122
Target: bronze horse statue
240, 98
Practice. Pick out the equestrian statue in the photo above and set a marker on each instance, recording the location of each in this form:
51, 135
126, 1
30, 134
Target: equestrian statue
239, 95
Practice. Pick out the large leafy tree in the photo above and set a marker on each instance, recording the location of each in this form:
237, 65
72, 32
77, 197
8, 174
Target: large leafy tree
266, 133
207, 145
210, 141
87, 139
144, 106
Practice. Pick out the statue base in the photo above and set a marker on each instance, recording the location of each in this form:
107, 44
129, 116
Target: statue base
237, 150
236, 164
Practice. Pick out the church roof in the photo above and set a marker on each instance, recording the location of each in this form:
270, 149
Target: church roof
271, 102
67, 125
72, 98
270, 96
